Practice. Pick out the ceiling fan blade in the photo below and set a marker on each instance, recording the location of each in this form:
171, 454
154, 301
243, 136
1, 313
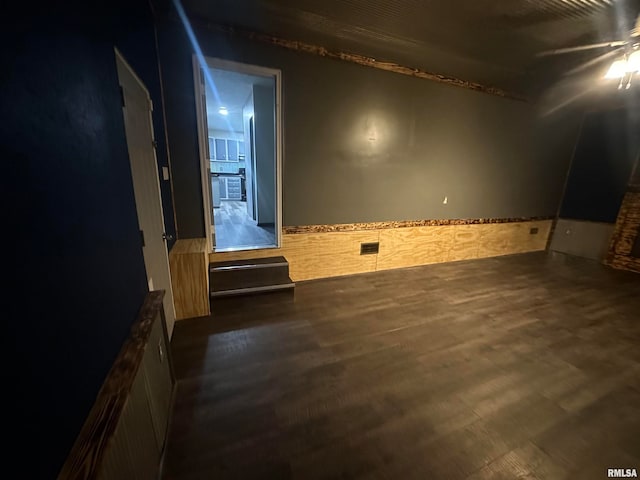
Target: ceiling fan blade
594, 61
560, 51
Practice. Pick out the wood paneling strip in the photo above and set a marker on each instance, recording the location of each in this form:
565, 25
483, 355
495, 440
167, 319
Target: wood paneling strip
189, 264
350, 227
319, 255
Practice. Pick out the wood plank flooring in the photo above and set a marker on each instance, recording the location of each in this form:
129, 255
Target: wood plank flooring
234, 228
525, 366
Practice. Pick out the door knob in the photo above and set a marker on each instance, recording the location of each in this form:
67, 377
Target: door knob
167, 236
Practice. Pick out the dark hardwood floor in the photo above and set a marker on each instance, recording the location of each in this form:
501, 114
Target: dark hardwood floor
525, 366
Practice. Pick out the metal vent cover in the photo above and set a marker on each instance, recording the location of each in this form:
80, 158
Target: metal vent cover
369, 248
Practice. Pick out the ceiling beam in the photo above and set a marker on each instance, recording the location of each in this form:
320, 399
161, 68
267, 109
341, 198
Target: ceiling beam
366, 61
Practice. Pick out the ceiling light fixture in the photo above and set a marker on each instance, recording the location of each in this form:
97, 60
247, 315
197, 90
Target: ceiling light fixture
223, 111
617, 69
624, 69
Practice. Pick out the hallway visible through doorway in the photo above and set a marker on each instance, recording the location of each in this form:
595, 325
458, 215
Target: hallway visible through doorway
240, 140
235, 229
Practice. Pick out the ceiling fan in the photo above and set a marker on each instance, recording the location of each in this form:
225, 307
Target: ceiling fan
626, 55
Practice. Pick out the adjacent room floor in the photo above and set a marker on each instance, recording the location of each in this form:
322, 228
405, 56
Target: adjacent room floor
235, 228
525, 366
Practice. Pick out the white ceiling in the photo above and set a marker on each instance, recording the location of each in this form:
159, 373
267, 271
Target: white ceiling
233, 91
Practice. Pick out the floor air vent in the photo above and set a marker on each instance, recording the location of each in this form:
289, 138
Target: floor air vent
369, 248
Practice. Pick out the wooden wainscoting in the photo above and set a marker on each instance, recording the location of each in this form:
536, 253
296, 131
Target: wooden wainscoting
189, 265
125, 432
327, 254
509, 238
412, 246
465, 242
316, 255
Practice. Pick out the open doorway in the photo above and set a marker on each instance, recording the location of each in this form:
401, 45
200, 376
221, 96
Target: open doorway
239, 129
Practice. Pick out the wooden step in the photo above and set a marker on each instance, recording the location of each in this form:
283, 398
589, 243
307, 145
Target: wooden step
268, 262
250, 276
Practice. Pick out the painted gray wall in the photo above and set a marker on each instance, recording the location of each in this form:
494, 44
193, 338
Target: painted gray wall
363, 145
264, 126
582, 238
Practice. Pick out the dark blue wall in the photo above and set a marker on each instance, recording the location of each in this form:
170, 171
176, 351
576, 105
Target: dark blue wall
607, 148
71, 240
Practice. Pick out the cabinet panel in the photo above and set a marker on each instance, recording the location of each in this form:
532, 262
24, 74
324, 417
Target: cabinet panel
232, 150
133, 452
233, 188
223, 187
240, 150
118, 463
221, 149
158, 381
138, 425
212, 149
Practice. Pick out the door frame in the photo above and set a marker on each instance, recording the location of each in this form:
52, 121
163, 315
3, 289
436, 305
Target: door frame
203, 141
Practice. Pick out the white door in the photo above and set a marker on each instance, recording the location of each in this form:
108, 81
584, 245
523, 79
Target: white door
146, 183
